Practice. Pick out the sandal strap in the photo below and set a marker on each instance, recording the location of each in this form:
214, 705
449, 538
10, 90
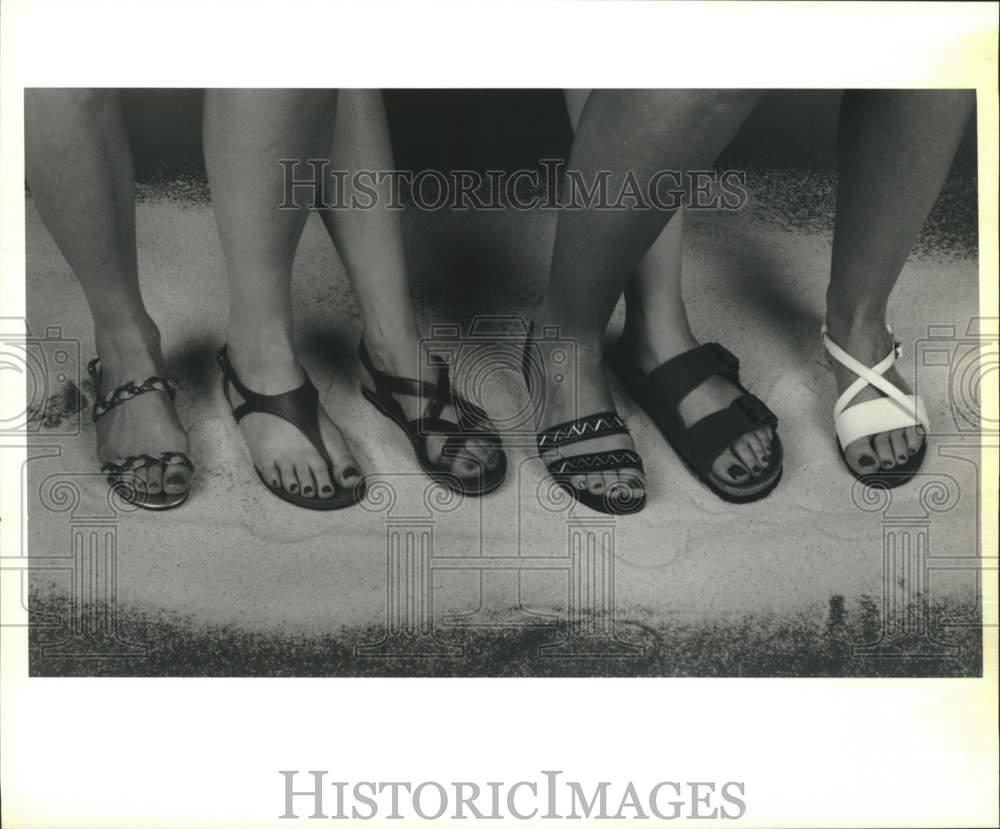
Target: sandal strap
706, 439
866, 376
894, 410
387, 385
300, 406
583, 428
124, 392
135, 462
471, 418
662, 390
609, 460
675, 379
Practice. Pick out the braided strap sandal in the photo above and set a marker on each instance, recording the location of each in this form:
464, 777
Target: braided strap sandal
473, 424
895, 410
300, 407
563, 469
120, 474
660, 394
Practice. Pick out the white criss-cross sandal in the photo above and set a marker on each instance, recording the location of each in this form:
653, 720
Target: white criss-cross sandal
895, 410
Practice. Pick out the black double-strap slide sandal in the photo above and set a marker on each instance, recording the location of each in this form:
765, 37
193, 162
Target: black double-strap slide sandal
300, 407
660, 394
473, 424
121, 473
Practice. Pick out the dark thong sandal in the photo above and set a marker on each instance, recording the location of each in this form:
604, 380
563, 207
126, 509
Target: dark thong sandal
121, 474
300, 407
660, 393
473, 422
616, 501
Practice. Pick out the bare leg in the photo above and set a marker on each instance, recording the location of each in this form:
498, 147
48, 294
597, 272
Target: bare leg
370, 240
246, 132
79, 169
657, 328
596, 251
895, 148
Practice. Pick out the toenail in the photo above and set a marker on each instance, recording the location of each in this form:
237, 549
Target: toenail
921, 431
865, 460
736, 471
351, 472
901, 458
175, 480
276, 482
307, 490
756, 469
293, 487
886, 464
327, 490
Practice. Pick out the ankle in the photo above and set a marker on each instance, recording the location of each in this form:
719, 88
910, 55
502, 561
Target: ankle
134, 342
854, 316
853, 327
651, 342
548, 323
392, 348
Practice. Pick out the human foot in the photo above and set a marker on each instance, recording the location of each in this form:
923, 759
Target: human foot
869, 342
283, 452
141, 426
648, 345
571, 390
405, 357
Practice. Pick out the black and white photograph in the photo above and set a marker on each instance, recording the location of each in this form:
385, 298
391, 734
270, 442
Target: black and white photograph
505, 382
517, 381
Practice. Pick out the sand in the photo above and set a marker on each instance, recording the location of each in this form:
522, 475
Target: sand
238, 561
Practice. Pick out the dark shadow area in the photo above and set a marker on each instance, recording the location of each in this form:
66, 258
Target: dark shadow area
843, 640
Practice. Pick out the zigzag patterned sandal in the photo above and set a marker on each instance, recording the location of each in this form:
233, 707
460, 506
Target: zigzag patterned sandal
473, 422
660, 393
895, 410
564, 469
121, 474
300, 407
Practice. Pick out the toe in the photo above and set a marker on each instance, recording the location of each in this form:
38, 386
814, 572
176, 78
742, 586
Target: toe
595, 483
289, 480
580, 481
322, 479
727, 467
899, 449
766, 437
303, 471
746, 457
346, 470
883, 448
861, 457
154, 478
272, 474
757, 447
138, 480
176, 478
913, 439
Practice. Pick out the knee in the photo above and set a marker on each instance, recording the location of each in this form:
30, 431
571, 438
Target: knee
89, 103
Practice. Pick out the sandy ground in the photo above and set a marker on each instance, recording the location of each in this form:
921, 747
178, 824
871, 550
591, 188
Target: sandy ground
705, 586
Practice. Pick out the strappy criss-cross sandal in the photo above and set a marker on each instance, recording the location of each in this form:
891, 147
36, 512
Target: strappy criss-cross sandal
562, 470
895, 410
473, 423
300, 407
121, 474
660, 393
